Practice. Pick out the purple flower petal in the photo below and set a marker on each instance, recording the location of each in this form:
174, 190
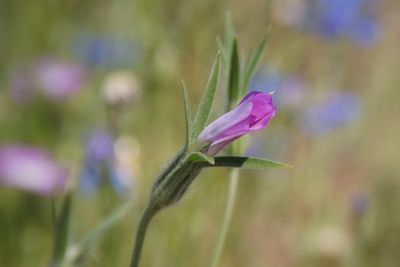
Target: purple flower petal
31, 169
251, 114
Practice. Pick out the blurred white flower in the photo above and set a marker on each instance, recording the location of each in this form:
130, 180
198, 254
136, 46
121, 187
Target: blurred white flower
331, 242
126, 165
120, 87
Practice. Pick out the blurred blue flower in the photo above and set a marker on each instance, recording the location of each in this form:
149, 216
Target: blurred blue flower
105, 51
359, 204
267, 79
99, 146
355, 20
335, 111
99, 162
289, 90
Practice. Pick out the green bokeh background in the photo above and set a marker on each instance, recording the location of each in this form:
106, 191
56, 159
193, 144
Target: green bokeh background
297, 217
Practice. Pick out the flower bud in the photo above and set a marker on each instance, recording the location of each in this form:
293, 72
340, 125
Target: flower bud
252, 114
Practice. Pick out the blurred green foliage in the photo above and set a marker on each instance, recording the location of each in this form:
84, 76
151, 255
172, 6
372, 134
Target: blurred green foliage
308, 216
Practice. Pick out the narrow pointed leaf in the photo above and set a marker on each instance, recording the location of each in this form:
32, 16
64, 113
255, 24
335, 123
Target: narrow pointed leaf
200, 157
222, 48
247, 163
188, 115
255, 60
234, 76
229, 32
61, 231
229, 43
204, 108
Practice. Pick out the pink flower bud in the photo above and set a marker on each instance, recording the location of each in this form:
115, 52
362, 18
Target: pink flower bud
252, 114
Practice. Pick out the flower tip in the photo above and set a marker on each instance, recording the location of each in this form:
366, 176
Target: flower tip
272, 92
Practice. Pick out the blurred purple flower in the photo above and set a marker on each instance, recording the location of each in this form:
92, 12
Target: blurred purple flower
31, 169
58, 79
252, 114
291, 93
106, 50
100, 146
335, 111
99, 162
55, 78
359, 204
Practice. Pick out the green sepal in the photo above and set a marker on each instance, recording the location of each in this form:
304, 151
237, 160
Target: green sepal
206, 102
246, 163
188, 117
255, 59
199, 157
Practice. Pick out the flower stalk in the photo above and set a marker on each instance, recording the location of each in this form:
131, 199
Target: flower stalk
141, 234
228, 214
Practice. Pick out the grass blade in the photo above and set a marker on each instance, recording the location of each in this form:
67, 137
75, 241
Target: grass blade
61, 231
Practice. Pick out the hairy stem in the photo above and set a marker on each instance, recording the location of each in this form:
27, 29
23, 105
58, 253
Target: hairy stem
229, 207
140, 235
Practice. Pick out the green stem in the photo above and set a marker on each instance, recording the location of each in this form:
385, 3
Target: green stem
140, 235
229, 206
61, 232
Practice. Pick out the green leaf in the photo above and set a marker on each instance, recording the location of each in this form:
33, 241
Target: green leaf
247, 163
255, 60
89, 241
229, 43
229, 31
222, 48
229, 37
188, 116
200, 157
61, 231
205, 105
234, 76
